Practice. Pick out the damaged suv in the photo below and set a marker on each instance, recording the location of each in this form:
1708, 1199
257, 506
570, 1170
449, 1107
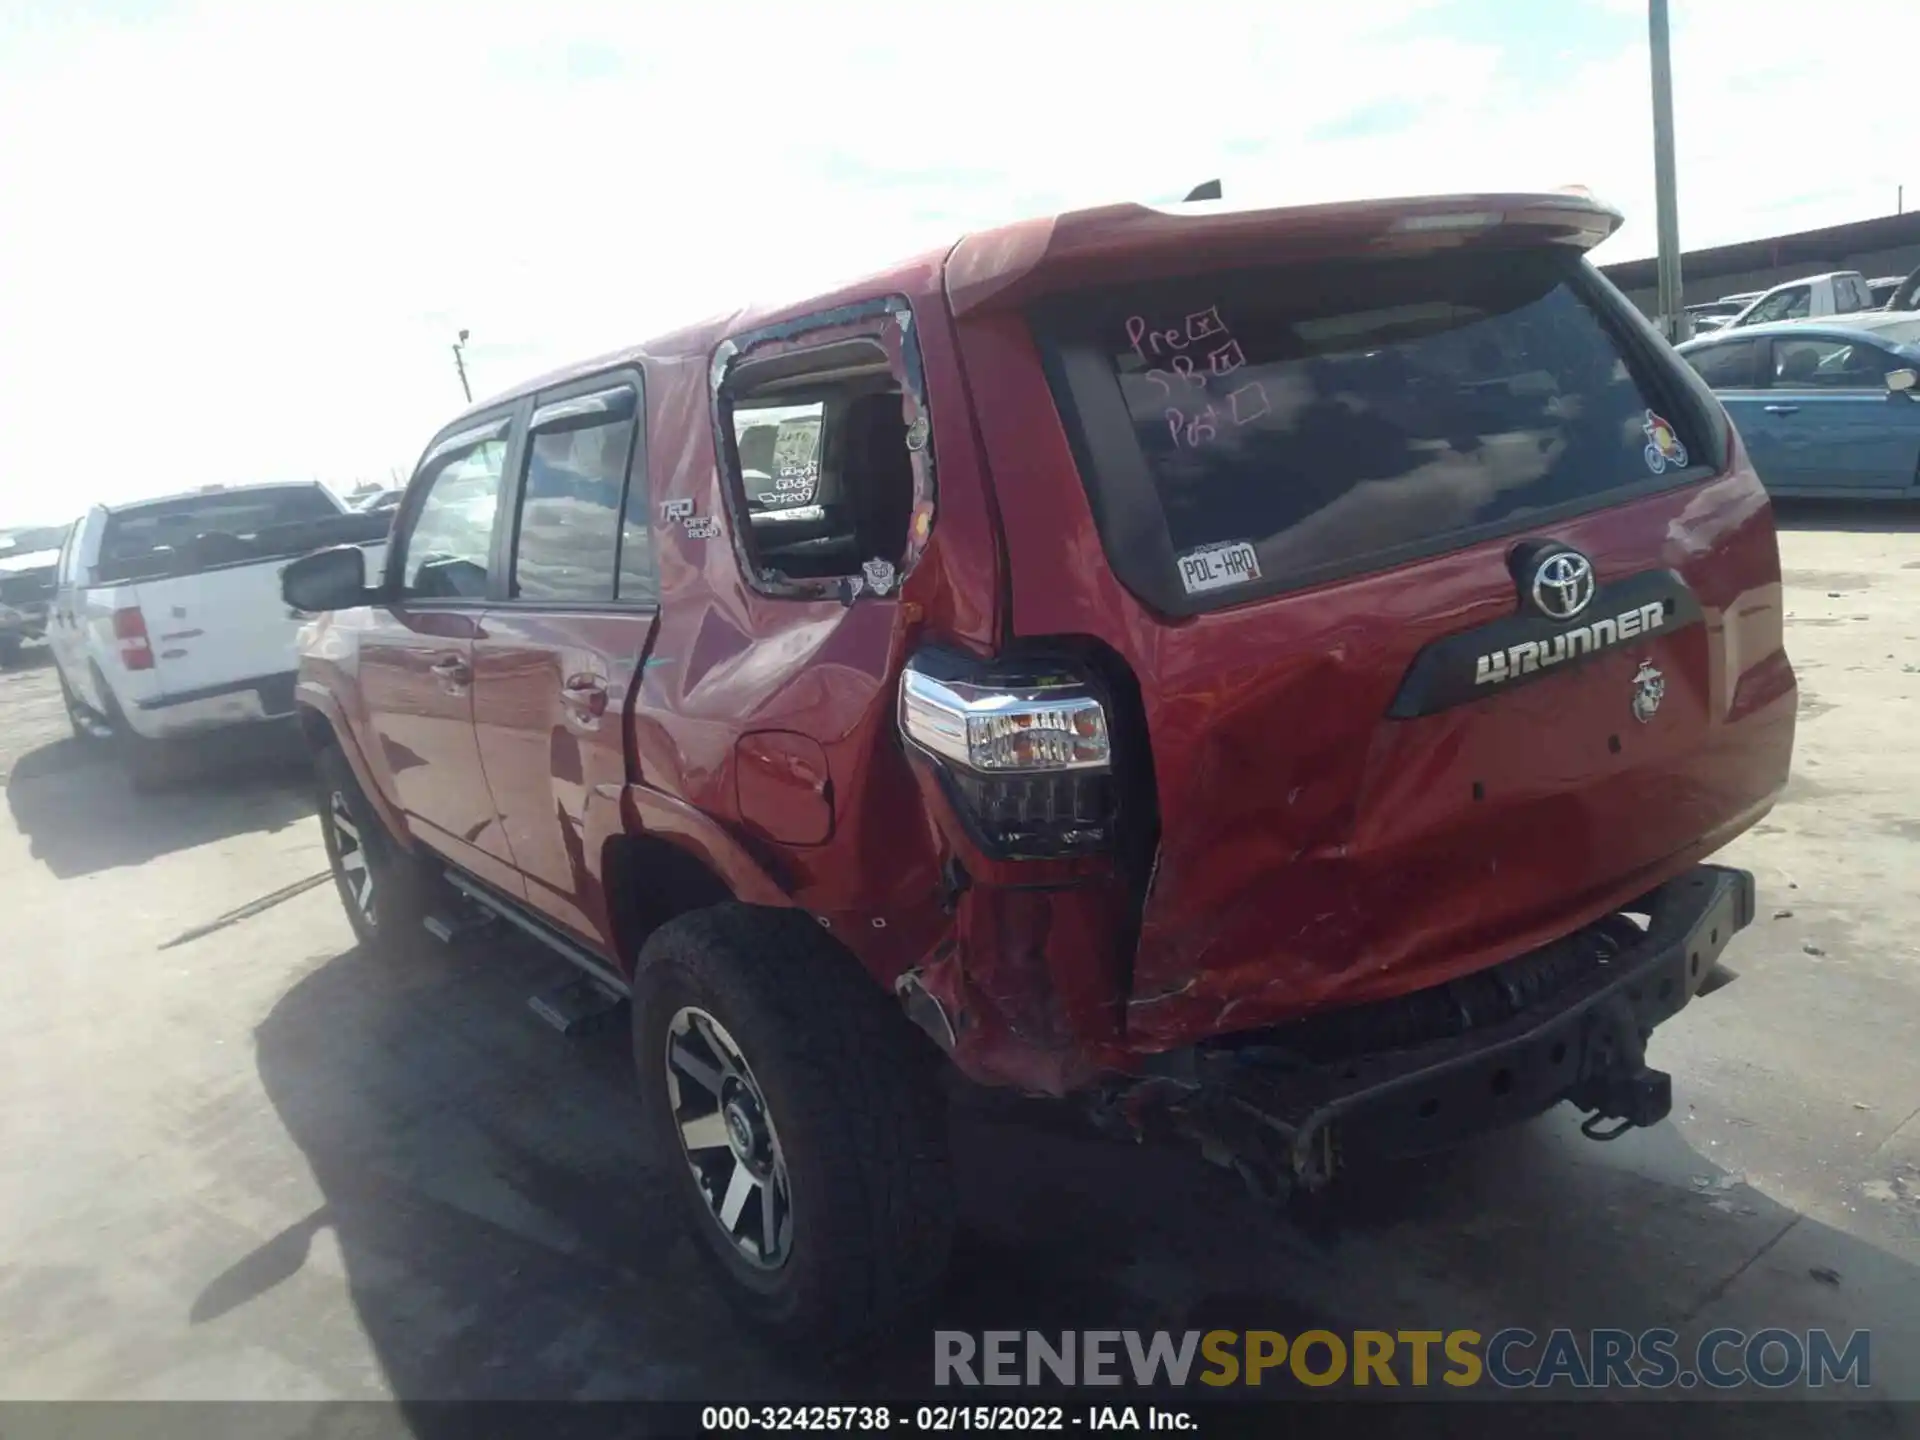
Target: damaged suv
1276, 674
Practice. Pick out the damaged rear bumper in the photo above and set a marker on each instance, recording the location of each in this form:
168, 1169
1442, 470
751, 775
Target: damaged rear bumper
1568, 1022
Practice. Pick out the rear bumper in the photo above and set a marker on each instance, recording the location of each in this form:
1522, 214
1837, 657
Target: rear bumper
1570, 1022
240, 702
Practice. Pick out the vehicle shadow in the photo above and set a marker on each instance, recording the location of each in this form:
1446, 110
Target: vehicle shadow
1884, 517
502, 1238
80, 815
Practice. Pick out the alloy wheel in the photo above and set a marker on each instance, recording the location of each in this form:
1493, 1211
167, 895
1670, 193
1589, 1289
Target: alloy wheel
728, 1139
351, 856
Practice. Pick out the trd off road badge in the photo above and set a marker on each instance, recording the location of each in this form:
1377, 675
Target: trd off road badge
1663, 446
1649, 689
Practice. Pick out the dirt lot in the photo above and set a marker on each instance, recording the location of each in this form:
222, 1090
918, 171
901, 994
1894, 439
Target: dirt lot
238, 1158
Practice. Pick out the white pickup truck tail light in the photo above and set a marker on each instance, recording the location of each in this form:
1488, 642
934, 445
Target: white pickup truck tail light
1023, 746
130, 630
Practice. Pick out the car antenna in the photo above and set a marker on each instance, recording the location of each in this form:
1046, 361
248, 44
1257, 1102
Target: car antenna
1205, 190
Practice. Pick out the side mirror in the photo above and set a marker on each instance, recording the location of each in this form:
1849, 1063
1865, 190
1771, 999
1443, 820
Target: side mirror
333, 579
1902, 380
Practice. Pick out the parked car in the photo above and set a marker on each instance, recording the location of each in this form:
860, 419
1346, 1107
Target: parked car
1711, 315
1841, 292
1882, 289
27, 559
1247, 670
1826, 407
167, 618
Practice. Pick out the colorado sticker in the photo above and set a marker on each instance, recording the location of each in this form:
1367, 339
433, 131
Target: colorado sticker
1663, 446
1218, 566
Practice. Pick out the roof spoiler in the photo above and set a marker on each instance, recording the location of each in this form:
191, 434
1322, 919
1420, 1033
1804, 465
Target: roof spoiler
1125, 244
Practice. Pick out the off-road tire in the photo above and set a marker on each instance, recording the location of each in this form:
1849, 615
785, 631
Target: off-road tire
854, 1097
399, 895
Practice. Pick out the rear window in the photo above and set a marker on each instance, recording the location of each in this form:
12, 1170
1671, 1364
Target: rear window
1247, 433
219, 527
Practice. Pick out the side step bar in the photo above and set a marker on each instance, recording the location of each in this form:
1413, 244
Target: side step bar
506, 910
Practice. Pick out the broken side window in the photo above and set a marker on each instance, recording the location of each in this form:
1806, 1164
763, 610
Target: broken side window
820, 465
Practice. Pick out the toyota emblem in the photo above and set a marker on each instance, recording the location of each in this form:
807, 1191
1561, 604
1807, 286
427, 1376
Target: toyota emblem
1563, 584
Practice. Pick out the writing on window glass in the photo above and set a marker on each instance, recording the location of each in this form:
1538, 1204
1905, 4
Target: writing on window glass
1193, 364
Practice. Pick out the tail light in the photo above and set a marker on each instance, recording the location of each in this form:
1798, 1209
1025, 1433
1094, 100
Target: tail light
130, 629
1022, 747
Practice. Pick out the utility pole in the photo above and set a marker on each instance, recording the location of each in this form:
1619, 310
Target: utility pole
1672, 314
460, 364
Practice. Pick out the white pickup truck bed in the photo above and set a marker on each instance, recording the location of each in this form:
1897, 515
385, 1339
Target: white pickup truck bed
168, 618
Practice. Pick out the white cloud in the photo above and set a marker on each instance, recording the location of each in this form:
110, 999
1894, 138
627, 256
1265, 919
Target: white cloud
236, 239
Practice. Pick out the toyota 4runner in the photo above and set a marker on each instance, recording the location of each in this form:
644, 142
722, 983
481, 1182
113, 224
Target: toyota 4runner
1275, 673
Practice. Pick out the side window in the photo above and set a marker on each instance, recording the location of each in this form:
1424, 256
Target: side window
446, 552
567, 544
821, 451
1829, 365
637, 581
582, 534
1726, 367
1791, 304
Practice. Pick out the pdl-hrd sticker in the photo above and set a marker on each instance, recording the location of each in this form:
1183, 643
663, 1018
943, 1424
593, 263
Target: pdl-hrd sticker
1663, 446
1219, 566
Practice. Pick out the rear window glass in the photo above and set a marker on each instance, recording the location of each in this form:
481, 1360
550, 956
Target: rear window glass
214, 528
129, 532
1295, 423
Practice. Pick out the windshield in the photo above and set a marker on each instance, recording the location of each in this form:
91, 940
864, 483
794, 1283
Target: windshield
1292, 424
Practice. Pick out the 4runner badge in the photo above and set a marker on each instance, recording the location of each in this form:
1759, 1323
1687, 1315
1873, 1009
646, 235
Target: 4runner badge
1649, 689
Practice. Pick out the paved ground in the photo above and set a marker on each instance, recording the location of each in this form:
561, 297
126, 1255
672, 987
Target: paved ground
249, 1161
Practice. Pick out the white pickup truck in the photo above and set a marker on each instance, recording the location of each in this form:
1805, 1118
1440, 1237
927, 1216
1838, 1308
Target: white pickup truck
1838, 292
167, 619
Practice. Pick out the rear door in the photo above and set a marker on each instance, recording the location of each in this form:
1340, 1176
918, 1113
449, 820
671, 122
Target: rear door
1391, 742
416, 659
1735, 371
63, 623
556, 654
1826, 418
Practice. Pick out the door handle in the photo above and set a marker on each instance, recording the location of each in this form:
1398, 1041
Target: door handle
455, 671
587, 693
1781, 409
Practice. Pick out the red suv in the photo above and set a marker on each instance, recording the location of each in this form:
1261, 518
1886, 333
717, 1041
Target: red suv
1277, 673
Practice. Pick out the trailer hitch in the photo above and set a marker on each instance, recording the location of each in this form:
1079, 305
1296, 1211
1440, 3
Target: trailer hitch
1616, 1083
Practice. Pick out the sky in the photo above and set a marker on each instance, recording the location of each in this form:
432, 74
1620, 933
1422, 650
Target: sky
238, 237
